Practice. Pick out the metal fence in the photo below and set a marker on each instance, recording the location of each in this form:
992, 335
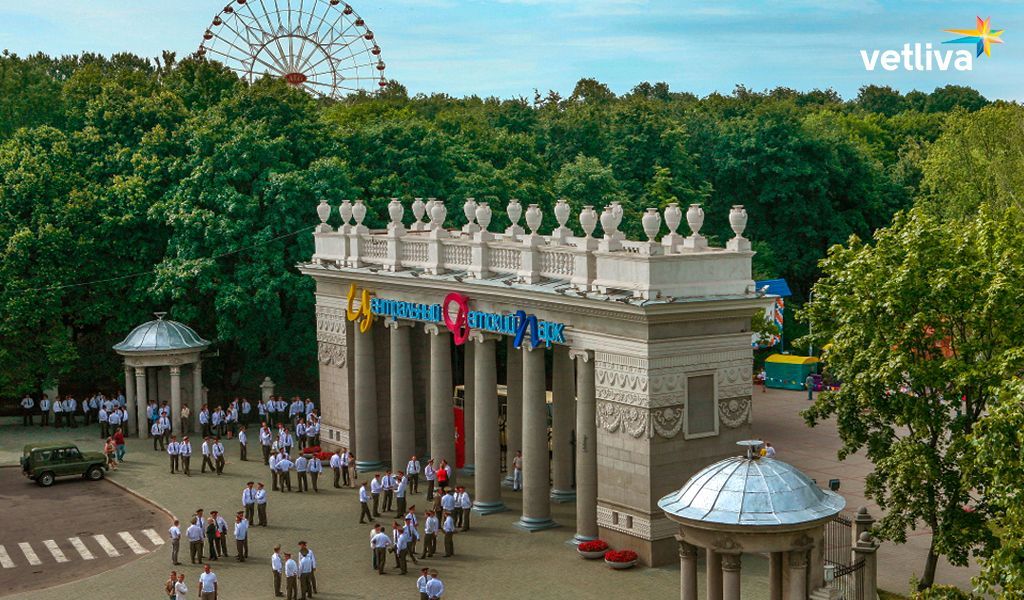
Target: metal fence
841, 572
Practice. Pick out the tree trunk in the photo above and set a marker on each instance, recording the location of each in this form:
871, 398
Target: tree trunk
929, 568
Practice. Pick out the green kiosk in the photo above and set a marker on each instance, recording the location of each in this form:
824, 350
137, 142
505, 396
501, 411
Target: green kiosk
788, 371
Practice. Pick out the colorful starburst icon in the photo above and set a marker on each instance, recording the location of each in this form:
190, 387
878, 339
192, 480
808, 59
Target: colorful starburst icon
981, 36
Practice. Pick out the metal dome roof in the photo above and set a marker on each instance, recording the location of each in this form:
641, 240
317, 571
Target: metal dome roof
753, 492
161, 335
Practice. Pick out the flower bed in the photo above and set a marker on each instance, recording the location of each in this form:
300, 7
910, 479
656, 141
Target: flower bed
593, 549
621, 559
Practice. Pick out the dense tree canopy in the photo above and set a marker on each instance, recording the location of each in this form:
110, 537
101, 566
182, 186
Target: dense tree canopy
177, 187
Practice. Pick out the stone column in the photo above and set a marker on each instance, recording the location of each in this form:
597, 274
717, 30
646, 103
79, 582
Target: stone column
867, 550
536, 467
586, 447
367, 438
486, 442
442, 419
129, 395
176, 400
563, 406
775, 575
267, 389
687, 570
797, 574
513, 406
141, 399
403, 427
714, 575
731, 576
197, 394
469, 408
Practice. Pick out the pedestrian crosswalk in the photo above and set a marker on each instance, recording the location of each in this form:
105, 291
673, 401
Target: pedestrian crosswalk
80, 547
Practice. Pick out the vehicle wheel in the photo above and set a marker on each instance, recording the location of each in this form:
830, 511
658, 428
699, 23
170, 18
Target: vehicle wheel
46, 479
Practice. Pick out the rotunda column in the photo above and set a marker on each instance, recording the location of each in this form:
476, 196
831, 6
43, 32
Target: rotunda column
469, 408
687, 570
714, 575
140, 401
797, 574
562, 408
731, 564
775, 575
442, 418
176, 400
513, 406
129, 395
586, 447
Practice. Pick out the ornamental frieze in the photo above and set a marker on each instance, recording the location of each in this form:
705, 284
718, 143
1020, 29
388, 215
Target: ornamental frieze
734, 412
332, 355
640, 422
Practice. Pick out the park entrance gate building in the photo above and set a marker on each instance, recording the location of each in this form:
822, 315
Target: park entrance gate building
648, 345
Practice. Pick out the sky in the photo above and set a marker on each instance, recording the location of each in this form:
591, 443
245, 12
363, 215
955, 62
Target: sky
509, 48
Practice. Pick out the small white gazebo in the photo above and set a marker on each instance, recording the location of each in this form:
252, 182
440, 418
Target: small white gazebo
749, 504
155, 353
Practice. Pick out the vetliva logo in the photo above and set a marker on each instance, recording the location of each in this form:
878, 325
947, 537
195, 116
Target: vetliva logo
922, 57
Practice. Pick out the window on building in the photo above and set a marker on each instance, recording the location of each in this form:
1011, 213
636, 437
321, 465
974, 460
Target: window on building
700, 405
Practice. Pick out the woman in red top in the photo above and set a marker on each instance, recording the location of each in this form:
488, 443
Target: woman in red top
119, 442
442, 476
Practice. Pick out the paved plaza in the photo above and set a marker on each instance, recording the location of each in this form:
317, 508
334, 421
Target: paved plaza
493, 560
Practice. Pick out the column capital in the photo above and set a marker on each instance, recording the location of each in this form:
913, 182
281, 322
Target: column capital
584, 355
686, 549
128, 368
140, 372
175, 371
435, 329
731, 562
529, 346
797, 559
392, 323
482, 336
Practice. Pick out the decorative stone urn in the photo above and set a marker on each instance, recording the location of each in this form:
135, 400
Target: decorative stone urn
695, 218
588, 220
483, 215
359, 212
514, 210
323, 210
533, 218
395, 211
345, 210
652, 223
469, 210
608, 221
437, 214
738, 219
673, 217
418, 209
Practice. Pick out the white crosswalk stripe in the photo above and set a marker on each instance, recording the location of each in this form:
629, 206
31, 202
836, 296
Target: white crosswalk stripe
58, 554
80, 546
5, 559
106, 545
153, 537
30, 554
134, 545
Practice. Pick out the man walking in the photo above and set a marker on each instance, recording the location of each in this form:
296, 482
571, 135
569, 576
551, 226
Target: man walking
300, 470
465, 504
380, 542
218, 455
809, 384
431, 476
266, 439
284, 472
449, 533
430, 526
401, 485
346, 459
375, 489
315, 467
364, 504
172, 454
412, 472
207, 456
156, 431
517, 471
243, 443
277, 566
175, 534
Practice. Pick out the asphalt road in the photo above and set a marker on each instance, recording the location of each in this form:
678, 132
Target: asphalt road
49, 535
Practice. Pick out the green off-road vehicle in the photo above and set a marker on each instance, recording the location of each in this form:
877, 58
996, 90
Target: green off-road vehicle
44, 463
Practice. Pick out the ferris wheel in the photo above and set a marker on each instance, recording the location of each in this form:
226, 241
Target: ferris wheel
321, 46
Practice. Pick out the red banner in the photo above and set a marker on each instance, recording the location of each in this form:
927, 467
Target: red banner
460, 437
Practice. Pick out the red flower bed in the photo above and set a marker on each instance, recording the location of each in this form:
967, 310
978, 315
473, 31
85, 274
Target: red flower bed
594, 546
620, 556
311, 450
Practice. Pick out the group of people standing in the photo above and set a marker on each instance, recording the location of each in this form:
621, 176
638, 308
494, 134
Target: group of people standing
109, 412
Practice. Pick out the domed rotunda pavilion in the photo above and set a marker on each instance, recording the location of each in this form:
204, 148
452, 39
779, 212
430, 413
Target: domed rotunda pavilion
157, 354
750, 504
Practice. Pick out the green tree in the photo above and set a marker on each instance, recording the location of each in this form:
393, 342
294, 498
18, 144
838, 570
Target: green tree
924, 325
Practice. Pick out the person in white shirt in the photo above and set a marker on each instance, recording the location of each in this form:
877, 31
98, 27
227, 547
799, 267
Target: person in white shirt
266, 438
165, 427
769, 450
207, 584
336, 467
70, 406
517, 471
241, 537
431, 476
175, 534
27, 411
412, 472
375, 488
249, 500
430, 527
172, 454
274, 477
435, 588
44, 408
291, 576
401, 485
246, 408
449, 531
194, 533
114, 420
346, 462
364, 504
277, 566
465, 504
285, 440
207, 449
261, 504
300, 469
180, 589
305, 576
104, 418
185, 453
306, 551
380, 542
387, 484
243, 442
315, 467
218, 455
284, 472
204, 421
58, 412
421, 583
300, 433
222, 527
